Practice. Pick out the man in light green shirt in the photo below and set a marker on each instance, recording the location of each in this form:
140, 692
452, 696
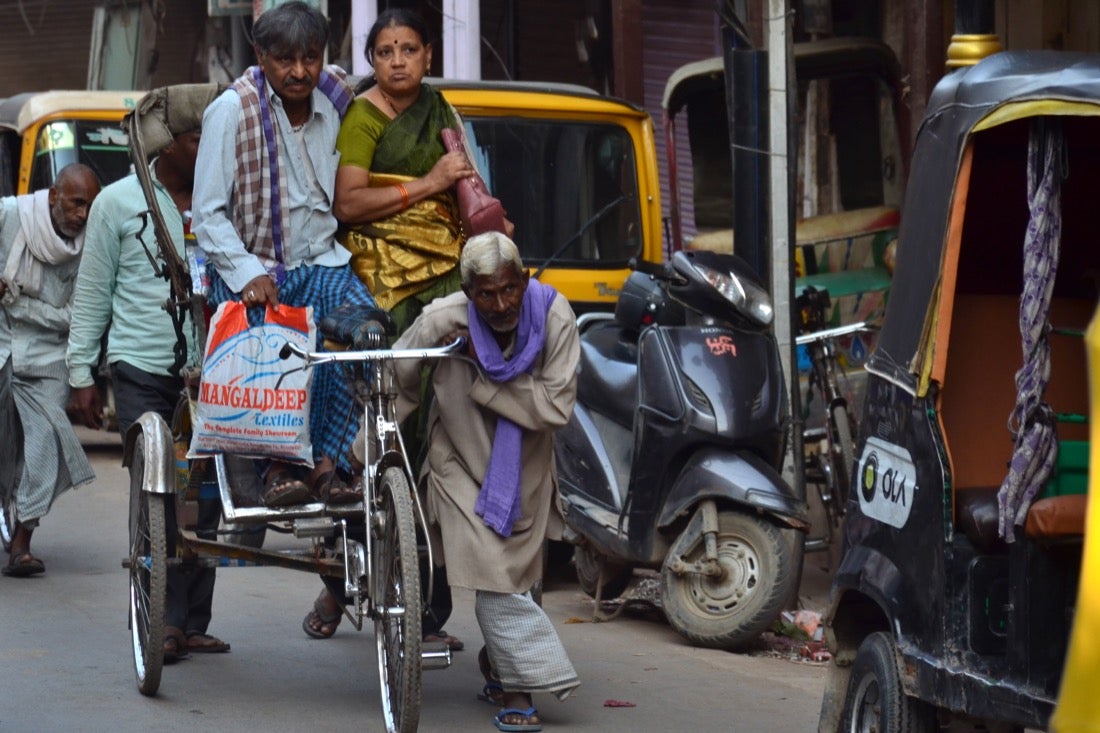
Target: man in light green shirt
118, 292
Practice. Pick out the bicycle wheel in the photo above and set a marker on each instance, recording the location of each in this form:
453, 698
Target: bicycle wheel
397, 602
842, 430
148, 576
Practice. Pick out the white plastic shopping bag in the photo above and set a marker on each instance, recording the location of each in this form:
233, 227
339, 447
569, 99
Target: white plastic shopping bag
243, 407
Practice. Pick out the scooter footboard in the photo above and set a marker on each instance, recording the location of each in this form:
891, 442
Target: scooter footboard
741, 478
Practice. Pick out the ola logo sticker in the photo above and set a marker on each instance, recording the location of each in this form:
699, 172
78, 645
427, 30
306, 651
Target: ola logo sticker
888, 482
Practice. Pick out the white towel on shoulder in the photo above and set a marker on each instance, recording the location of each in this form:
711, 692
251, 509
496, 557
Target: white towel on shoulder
37, 244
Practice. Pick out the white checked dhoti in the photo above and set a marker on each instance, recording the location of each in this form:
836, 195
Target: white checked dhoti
524, 647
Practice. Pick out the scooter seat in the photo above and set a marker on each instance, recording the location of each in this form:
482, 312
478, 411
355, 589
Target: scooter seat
608, 382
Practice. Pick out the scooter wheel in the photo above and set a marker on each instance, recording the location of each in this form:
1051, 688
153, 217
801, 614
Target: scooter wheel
729, 610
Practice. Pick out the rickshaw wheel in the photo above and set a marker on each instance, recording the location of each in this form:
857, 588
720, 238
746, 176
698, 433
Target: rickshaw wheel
7, 520
729, 611
616, 577
148, 576
397, 602
875, 700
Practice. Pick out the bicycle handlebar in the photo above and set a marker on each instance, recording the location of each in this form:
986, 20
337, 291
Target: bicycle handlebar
830, 333
321, 357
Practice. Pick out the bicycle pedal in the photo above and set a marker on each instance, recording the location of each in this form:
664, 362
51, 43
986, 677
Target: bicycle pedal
435, 655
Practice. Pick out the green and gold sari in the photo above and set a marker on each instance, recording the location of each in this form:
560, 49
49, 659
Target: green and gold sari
414, 250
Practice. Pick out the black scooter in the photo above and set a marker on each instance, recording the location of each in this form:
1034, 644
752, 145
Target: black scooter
672, 456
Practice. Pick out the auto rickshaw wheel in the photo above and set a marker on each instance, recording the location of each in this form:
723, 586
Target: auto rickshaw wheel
397, 603
730, 610
875, 700
148, 564
616, 577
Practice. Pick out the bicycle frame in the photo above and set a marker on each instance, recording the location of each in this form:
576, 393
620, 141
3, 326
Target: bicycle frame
385, 438
822, 350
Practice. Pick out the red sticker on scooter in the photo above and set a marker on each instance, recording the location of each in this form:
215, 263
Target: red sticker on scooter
720, 345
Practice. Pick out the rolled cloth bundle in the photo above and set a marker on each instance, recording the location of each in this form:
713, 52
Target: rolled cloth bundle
166, 112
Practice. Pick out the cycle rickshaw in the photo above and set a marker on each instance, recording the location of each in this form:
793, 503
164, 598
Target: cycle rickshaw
379, 573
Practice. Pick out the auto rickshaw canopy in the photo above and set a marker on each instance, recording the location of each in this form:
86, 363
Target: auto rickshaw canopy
1000, 89
20, 111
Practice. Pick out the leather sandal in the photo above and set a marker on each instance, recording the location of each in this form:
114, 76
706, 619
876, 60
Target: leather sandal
203, 643
332, 489
175, 645
282, 489
327, 622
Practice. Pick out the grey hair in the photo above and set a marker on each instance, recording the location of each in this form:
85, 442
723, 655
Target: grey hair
293, 27
485, 254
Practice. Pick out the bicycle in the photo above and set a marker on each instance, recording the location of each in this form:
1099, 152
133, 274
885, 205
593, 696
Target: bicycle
829, 471
380, 574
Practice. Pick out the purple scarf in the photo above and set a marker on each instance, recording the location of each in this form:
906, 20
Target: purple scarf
498, 502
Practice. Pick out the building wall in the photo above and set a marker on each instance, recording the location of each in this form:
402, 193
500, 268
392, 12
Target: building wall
1071, 25
46, 44
29, 27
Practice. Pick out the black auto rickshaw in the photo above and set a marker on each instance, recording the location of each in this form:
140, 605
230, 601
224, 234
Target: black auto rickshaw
953, 604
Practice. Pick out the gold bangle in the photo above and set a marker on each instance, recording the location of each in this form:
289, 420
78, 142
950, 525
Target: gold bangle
404, 195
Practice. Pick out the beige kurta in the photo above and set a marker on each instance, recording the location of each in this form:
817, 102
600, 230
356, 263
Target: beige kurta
460, 434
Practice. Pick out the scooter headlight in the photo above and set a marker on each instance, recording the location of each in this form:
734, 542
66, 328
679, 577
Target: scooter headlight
747, 297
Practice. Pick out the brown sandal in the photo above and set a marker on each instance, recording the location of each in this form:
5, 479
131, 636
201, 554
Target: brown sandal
282, 489
332, 489
22, 564
175, 645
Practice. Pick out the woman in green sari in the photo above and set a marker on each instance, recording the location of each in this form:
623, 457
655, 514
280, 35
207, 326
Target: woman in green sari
394, 185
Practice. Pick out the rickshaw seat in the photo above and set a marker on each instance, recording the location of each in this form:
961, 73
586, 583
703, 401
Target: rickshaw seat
1057, 517
976, 516
1049, 519
345, 325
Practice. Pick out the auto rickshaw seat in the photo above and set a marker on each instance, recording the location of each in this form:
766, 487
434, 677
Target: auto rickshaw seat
1057, 518
976, 516
1049, 519
610, 386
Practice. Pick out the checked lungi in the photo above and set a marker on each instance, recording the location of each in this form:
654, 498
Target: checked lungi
524, 647
333, 418
40, 455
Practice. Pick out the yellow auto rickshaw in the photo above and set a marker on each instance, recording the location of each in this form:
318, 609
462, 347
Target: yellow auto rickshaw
42, 132
1078, 709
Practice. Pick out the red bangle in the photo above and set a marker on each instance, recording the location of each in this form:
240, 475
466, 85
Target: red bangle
404, 195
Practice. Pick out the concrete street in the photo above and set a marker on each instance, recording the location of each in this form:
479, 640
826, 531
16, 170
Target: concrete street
65, 660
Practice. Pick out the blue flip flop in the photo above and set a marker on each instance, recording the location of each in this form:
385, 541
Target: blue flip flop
517, 727
486, 694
